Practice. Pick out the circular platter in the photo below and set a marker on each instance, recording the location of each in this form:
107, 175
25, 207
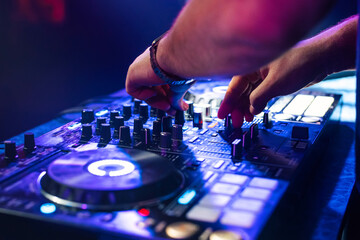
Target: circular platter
110, 179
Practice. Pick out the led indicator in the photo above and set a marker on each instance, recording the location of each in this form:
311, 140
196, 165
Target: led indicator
144, 212
101, 113
74, 126
187, 197
111, 167
47, 208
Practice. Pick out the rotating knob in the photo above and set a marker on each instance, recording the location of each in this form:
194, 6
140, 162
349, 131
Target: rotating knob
144, 112
87, 116
190, 110
160, 114
236, 148
10, 151
177, 135
118, 122
198, 120
145, 137
124, 135
99, 121
126, 111
113, 114
179, 117
137, 103
153, 112
156, 130
165, 140
138, 125
166, 123
29, 142
105, 133
86, 132
254, 131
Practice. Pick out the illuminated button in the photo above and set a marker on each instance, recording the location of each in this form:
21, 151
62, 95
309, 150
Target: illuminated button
212, 125
284, 116
248, 204
200, 159
207, 175
224, 188
111, 167
319, 106
148, 222
193, 139
144, 212
257, 193
47, 208
238, 218
264, 183
204, 214
225, 235
186, 197
218, 164
203, 131
215, 200
234, 179
181, 230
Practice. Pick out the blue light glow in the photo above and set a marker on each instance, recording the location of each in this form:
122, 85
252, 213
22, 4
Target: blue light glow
47, 208
186, 197
74, 126
101, 113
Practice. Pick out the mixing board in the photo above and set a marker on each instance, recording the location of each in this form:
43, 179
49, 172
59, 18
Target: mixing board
130, 171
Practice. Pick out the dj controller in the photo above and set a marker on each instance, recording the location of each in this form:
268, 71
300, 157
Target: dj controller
129, 171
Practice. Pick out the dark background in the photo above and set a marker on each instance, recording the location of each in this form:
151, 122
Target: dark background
47, 67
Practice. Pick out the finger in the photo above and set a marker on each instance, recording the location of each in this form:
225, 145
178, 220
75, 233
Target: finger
237, 117
262, 94
237, 86
159, 102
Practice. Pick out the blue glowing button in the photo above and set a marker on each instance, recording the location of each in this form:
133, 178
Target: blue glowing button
101, 113
187, 197
47, 208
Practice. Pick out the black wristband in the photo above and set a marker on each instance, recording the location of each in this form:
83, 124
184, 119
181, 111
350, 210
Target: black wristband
168, 78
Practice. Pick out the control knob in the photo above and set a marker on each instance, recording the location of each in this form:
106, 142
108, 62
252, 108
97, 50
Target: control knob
118, 122
87, 116
166, 123
198, 120
267, 119
86, 132
144, 112
138, 125
179, 117
137, 103
29, 142
124, 136
126, 111
105, 133
10, 151
113, 114
156, 130
99, 121
165, 140
236, 148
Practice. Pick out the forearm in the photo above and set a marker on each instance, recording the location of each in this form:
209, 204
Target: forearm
212, 37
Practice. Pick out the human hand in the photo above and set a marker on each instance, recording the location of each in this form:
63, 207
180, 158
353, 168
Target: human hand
248, 95
142, 83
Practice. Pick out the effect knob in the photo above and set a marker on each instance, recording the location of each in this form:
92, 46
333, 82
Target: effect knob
153, 112
113, 114
190, 110
160, 114
144, 112
87, 116
118, 122
29, 142
177, 135
254, 131
179, 117
198, 120
166, 123
145, 137
86, 132
137, 103
105, 133
267, 119
126, 111
156, 130
165, 140
124, 136
138, 125
236, 148
99, 121
10, 151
